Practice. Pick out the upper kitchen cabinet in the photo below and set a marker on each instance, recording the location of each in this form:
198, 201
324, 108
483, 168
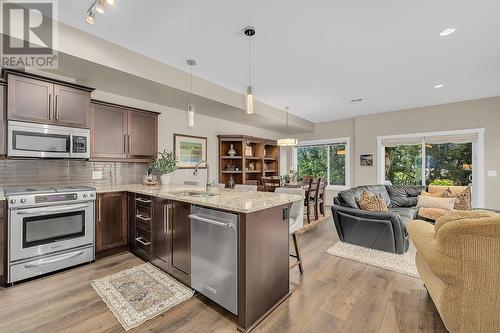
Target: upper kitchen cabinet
3, 121
122, 133
36, 99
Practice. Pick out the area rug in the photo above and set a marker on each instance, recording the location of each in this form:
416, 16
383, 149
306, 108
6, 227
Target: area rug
400, 263
140, 293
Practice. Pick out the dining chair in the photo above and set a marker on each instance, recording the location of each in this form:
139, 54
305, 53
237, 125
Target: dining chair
296, 220
245, 188
311, 183
191, 182
271, 183
319, 201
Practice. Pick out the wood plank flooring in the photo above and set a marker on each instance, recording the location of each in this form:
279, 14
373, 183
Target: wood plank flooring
334, 295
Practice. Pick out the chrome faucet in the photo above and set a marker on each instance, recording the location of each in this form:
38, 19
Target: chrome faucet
208, 186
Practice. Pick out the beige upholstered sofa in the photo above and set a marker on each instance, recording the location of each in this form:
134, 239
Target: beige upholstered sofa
458, 260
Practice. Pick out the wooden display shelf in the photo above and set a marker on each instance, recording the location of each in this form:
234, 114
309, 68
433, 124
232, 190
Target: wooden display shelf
266, 171
253, 171
231, 157
269, 158
235, 171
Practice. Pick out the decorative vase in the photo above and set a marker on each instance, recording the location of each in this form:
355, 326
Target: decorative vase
165, 179
231, 151
231, 182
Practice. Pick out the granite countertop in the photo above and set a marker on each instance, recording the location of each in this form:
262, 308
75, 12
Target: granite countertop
236, 201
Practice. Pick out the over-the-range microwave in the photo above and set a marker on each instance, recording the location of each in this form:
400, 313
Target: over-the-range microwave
47, 141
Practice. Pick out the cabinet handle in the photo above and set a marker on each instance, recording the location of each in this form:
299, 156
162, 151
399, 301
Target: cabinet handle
140, 217
139, 239
50, 104
57, 109
99, 210
165, 219
124, 143
168, 216
128, 145
143, 200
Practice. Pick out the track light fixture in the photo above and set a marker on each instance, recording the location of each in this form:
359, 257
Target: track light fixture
97, 6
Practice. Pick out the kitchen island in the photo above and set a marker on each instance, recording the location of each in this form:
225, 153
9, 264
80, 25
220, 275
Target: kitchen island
159, 222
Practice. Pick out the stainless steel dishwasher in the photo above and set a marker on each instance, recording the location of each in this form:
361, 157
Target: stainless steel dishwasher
214, 255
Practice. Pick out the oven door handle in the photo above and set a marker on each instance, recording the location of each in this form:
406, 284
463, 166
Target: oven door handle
52, 260
47, 210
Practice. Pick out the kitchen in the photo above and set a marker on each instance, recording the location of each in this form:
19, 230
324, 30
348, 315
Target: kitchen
71, 172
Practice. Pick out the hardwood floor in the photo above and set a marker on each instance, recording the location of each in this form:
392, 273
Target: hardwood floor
334, 295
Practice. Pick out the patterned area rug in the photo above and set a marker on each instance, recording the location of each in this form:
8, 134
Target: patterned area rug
400, 263
140, 293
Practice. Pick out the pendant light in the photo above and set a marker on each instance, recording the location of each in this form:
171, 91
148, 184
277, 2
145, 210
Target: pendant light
287, 142
249, 32
191, 107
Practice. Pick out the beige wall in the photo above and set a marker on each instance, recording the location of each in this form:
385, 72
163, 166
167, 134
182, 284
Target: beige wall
482, 113
174, 121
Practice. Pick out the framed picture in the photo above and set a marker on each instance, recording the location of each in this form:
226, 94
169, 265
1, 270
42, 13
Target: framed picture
366, 160
189, 150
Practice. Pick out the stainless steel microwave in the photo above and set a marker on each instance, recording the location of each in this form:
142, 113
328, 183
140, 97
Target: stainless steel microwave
47, 141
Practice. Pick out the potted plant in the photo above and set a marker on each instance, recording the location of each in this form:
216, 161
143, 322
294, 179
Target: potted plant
166, 163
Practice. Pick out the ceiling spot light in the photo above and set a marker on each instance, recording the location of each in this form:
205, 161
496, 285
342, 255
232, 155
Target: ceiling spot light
437, 86
356, 100
447, 32
90, 17
99, 6
249, 32
110, 2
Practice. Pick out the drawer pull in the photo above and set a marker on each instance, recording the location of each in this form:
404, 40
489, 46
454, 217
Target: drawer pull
139, 239
140, 217
142, 200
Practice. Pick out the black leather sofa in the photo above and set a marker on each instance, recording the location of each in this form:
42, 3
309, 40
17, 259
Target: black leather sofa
385, 231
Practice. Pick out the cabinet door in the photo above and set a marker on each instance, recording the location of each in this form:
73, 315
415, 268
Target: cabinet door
161, 224
109, 132
3, 122
111, 224
71, 106
30, 99
142, 135
3, 242
180, 235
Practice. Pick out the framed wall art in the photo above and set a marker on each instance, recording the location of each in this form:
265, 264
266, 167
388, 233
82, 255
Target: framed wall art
189, 150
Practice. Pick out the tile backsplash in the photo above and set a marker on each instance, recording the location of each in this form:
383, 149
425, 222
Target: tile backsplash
68, 172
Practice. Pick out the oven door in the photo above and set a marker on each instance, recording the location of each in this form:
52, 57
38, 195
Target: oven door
42, 230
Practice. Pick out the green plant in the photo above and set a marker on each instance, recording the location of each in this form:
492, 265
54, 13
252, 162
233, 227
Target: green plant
442, 182
166, 162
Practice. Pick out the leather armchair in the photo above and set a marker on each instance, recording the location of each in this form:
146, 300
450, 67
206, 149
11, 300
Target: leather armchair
383, 231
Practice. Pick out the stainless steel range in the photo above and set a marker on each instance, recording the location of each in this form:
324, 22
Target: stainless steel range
50, 228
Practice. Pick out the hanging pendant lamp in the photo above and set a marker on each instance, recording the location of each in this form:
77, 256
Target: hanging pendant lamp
287, 142
191, 106
249, 32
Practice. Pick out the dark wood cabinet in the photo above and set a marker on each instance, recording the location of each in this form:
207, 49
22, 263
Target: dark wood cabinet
36, 99
3, 242
180, 236
161, 221
111, 221
3, 121
122, 133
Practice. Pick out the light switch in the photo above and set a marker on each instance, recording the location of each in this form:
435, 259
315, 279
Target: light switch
96, 175
492, 173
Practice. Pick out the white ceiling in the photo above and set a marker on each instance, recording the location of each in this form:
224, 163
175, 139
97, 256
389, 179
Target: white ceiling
317, 55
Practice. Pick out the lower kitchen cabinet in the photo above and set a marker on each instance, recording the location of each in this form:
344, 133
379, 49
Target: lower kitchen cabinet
3, 242
111, 221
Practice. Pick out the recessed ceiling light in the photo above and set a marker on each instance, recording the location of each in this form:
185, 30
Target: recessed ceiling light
447, 32
437, 86
356, 100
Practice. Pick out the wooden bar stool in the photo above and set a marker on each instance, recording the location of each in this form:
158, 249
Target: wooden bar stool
296, 220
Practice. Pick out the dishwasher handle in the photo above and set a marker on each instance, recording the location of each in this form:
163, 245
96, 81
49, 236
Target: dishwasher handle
204, 219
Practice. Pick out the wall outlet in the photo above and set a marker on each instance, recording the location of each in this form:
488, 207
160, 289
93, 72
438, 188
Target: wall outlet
492, 173
96, 175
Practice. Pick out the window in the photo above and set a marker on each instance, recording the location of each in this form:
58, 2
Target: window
324, 159
453, 158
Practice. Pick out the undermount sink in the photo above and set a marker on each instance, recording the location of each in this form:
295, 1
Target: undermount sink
195, 194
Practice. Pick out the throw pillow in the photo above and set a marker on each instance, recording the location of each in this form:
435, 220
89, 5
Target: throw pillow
435, 194
373, 203
464, 199
433, 213
432, 202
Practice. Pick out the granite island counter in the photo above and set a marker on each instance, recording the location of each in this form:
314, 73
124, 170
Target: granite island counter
160, 225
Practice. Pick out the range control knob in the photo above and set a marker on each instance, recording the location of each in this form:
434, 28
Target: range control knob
92, 195
84, 195
12, 201
22, 200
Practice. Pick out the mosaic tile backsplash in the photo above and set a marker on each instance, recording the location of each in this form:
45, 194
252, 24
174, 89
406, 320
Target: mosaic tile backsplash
68, 172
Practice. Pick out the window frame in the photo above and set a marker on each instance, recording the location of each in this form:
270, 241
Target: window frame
334, 141
478, 194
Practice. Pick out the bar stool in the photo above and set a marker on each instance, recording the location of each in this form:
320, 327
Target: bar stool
245, 188
296, 220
